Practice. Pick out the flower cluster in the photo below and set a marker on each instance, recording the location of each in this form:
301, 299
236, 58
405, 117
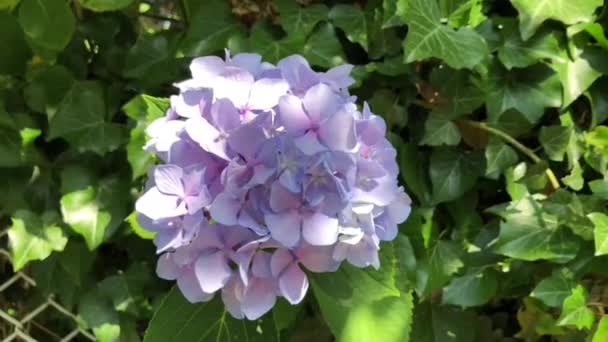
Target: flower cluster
267, 171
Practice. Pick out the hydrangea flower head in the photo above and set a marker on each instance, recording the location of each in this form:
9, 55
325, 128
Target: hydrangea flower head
268, 172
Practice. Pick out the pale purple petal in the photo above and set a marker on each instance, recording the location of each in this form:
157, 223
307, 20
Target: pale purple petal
292, 115
320, 230
156, 205
259, 297
168, 179
205, 69
212, 271
234, 84
293, 284
191, 289
166, 268
338, 132
225, 209
284, 227
265, 93
320, 102
309, 143
317, 258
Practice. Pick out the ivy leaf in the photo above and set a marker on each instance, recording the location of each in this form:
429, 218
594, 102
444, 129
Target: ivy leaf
34, 238
472, 289
532, 13
44, 93
554, 289
578, 74
362, 304
144, 109
353, 21
575, 179
440, 130
517, 53
207, 321
499, 156
105, 5
455, 92
97, 312
323, 47
13, 60
48, 24
554, 140
528, 91
414, 177
271, 48
297, 20
428, 37
600, 232
601, 332
211, 25
575, 311
442, 261
440, 324
453, 172
530, 233
81, 119
599, 187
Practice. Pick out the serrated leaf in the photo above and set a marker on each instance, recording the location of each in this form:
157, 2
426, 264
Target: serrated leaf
600, 232
554, 289
34, 238
81, 119
555, 140
297, 20
529, 233
428, 37
48, 24
453, 172
472, 289
362, 304
207, 321
440, 130
499, 156
532, 13
575, 311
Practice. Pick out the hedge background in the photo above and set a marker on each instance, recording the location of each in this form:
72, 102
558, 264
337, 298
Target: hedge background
497, 109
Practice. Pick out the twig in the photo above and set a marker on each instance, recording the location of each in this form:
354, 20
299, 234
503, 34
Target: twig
523, 149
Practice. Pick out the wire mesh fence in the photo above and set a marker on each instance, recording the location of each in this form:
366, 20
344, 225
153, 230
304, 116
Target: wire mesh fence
27, 316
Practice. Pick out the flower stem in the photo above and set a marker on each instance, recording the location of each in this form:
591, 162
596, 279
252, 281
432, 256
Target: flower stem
519, 146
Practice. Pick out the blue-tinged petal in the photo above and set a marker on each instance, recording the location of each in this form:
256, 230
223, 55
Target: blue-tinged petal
320, 230
212, 271
293, 284
320, 102
338, 132
168, 179
284, 227
292, 115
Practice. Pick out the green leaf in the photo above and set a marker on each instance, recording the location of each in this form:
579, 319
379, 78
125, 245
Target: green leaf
98, 314
575, 179
529, 233
323, 47
284, 314
48, 24
599, 187
353, 21
600, 232
554, 289
34, 238
601, 332
517, 53
575, 311
81, 211
14, 59
428, 37
441, 324
267, 43
555, 140
412, 174
578, 74
499, 156
363, 304
144, 109
44, 93
440, 130
211, 25
472, 289
297, 20
178, 320
453, 172
442, 261
455, 92
393, 10
532, 13
81, 119
528, 91
126, 288
105, 5
387, 104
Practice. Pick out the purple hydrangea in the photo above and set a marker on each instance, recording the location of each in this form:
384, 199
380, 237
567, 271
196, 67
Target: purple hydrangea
268, 172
